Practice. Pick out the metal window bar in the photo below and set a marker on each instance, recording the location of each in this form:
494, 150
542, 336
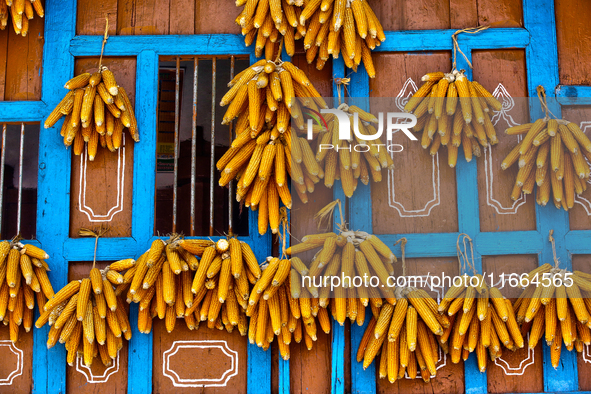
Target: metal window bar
192, 228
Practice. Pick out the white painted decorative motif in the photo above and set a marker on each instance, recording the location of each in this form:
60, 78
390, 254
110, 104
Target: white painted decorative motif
82, 207
222, 381
507, 104
587, 353
408, 90
18, 371
91, 377
586, 125
523, 364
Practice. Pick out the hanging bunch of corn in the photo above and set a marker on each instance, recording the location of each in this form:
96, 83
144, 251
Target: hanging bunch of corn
21, 12
410, 327
263, 99
551, 155
88, 317
97, 111
278, 307
23, 278
453, 111
481, 318
349, 27
557, 309
268, 22
214, 289
342, 162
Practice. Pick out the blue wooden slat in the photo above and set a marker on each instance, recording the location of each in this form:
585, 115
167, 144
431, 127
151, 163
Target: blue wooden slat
539, 20
573, 95
142, 228
202, 44
509, 242
49, 366
22, 111
578, 242
438, 40
360, 212
284, 375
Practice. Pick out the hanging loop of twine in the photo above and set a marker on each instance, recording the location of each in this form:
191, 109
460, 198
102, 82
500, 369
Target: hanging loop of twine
85, 232
551, 239
339, 82
402, 242
463, 259
105, 37
456, 46
544, 103
278, 58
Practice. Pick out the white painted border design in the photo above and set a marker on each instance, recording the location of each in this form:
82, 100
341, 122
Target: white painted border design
91, 378
408, 90
509, 370
508, 104
82, 207
7, 381
220, 382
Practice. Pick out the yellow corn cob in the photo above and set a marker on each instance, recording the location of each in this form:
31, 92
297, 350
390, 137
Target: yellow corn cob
78, 81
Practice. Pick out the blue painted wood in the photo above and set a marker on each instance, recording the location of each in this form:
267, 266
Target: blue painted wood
437, 40
475, 381
284, 376
539, 20
578, 242
362, 381
573, 95
139, 358
202, 44
22, 111
49, 366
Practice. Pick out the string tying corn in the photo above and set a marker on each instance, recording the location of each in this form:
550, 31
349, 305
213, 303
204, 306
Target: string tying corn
20, 12
552, 156
260, 157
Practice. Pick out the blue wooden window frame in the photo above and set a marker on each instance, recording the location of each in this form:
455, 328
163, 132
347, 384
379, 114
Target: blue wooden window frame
62, 46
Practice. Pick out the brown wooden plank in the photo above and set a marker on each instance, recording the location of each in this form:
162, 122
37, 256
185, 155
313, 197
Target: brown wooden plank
216, 17
90, 18
3, 58
34, 58
463, 14
505, 11
422, 196
182, 16
580, 214
450, 377
17, 78
136, 17
211, 364
503, 70
98, 378
412, 14
583, 263
17, 360
109, 178
573, 33
310, 370
525, 376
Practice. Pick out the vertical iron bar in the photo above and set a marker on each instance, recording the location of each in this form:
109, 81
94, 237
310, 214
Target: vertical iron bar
231, 184
212, 154
177, 111
194, 144
20, 180
2, 161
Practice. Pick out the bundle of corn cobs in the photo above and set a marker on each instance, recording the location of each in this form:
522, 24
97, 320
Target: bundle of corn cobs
551, 155
333, 26
342, 162
278, 307
171, 283
463, 120
21, 11
97, 110
557, 309
23, 277
480, 319
88, 316
263, 99
411, 330
346, 254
